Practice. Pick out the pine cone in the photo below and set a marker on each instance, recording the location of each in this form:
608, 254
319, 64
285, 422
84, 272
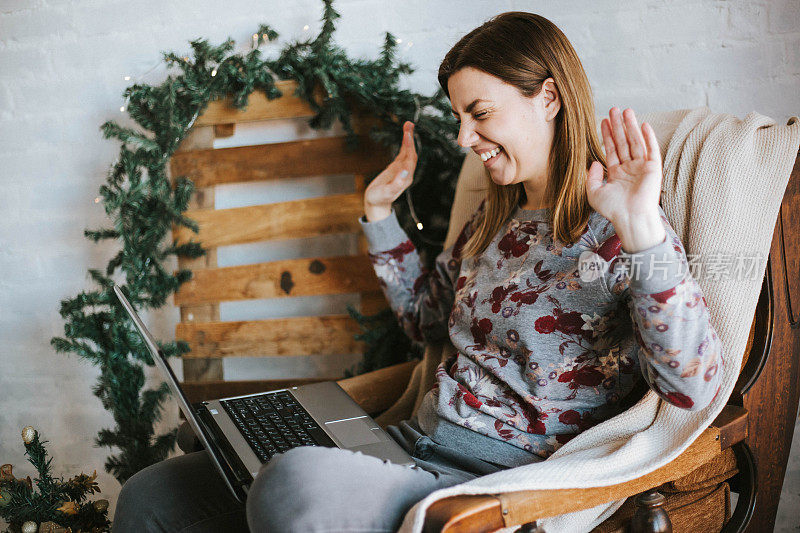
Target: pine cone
69, 508
101, 506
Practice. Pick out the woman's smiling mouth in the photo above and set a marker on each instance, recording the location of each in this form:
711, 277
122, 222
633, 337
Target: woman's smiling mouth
490, 156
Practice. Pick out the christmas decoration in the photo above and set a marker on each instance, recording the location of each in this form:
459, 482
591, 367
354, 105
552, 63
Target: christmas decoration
52, 527
56, 506
144, 205
27, 434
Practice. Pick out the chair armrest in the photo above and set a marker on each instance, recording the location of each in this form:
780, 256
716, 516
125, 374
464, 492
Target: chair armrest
492, 512
377, 390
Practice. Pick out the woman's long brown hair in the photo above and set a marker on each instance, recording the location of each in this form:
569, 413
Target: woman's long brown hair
524, 49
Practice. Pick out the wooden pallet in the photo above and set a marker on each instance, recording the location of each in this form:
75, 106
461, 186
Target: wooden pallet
212, 340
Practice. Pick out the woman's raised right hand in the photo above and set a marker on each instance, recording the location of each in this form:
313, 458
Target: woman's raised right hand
389, 184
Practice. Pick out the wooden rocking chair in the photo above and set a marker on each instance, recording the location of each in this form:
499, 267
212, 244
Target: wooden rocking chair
745, 449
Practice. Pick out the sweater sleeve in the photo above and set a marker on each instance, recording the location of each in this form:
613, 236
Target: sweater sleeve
679, 351
420, 298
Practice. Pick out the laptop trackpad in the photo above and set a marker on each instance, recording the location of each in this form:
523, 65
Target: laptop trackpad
353, 432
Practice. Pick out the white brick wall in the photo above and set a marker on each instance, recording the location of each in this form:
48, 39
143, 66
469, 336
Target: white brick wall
63, 63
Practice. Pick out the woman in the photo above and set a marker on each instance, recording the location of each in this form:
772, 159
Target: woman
555, 289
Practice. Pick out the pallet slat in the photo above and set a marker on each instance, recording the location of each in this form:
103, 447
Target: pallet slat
278, 279
297, 336
258, 107
313, 157
296, 219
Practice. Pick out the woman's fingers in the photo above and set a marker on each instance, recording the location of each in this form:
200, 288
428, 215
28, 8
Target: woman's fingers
407, 149
403, 143
400, 179
624, 139
397, 185
619, 136
398, 175
608, 143
635, 139
408, 138
653, 151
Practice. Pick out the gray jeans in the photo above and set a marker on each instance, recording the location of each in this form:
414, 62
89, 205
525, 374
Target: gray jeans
308, 489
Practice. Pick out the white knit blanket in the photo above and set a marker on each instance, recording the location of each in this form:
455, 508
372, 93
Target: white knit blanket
724, 179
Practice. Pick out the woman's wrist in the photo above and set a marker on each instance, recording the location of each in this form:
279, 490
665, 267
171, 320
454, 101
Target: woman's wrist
640, 232
377, 213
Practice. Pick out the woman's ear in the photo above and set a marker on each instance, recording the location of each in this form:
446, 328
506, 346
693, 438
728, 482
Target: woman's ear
552, 100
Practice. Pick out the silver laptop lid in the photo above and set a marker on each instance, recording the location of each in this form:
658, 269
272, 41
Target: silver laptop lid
161, 361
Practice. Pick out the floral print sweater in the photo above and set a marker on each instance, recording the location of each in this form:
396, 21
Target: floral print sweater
546, 348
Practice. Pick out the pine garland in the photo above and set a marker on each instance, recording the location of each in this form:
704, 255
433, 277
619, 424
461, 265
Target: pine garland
143, 205
54, 500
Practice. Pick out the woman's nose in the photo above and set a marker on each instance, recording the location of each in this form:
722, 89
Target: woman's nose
466, 135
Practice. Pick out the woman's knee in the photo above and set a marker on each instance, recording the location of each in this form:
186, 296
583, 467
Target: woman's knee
139, 500
284, 487
313, 488
173, 494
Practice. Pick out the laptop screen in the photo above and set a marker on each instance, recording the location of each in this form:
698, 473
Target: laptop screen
172, 381
158, 356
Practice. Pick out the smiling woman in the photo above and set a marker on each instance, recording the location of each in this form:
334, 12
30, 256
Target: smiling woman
541, 352
550, 296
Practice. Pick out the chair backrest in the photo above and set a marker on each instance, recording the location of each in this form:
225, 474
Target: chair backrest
212, 340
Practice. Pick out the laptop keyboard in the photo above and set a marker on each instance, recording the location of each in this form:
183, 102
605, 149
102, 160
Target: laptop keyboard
274, 422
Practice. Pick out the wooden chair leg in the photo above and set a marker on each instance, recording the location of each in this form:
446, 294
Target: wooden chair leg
650, 515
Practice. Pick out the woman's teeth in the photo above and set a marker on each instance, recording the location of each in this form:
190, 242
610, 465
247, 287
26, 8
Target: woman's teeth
488, 155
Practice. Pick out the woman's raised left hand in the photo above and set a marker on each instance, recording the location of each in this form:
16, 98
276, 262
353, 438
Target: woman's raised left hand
629, 197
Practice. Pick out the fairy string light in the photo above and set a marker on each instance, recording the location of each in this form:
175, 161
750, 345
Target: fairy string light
254, 43
416, 143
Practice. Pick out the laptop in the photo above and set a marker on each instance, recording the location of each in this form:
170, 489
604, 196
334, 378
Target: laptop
242, 433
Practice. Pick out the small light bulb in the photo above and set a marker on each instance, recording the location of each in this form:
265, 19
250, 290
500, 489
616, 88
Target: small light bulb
214, 72
266, 37
122, 109
419, 225
305, 28
127, 78
186, 58
255, 36
97, 200
190, 316
410, 44
399, 41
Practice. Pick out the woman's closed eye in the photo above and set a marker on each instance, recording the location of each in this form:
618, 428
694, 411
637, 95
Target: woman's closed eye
477, 115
